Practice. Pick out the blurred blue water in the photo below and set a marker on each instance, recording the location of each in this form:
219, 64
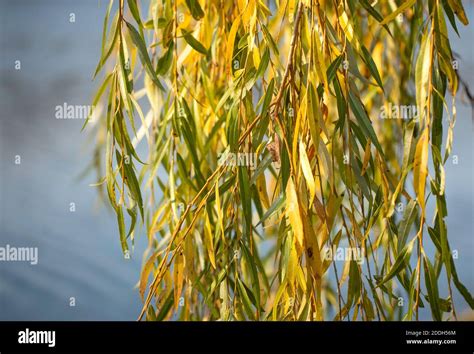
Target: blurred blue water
79, 253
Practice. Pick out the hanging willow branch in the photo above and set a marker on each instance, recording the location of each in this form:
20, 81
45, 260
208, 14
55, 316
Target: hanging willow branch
285, 173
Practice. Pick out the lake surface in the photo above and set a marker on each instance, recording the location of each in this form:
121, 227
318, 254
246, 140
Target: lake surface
79, 252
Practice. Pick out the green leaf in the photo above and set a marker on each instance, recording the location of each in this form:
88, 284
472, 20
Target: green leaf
263, 63
341, 106
355, 283
142, 52
276, 206
406, 223
121, 224
374, 13
164, 63
245, 200
97, 97
246, 299
131, 181
333, 67
268, 97
132, 5
372, 67
193, 42
400, 262
133, 215
461, 287
269, 39
165, 309
458, 9
109, 46
450, 15
364, 122
249, 258
431, 282
195, 9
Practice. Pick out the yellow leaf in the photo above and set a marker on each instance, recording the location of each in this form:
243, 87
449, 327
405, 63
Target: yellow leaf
292, 267
378, 54
293, 213
230, 44
395, 194
291, 10
262, 190
220, 214
241, 5
308, 174
172, 192
366, 157
399, 10
296, 138
458, 9
385, 185
326, 166
320, 64
442, 183
248, 12
420, 168
189, 247
147, 268
255, 56
422, 74
346, 24
300, 277
313, 252
156, 225
348, 29
178, 276
208, 239
276, 302
312, 115
355, 225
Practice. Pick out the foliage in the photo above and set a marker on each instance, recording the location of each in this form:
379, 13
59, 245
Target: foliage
202, 86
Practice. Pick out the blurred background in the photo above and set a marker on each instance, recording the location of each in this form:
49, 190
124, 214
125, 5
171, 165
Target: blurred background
79, 252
